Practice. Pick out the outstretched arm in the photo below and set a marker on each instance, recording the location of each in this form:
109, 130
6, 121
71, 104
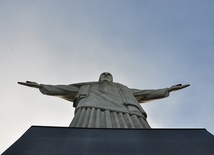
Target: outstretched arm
147, 95
177, 87
30, 84
65, 91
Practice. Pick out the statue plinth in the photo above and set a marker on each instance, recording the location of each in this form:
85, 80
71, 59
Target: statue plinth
72, 141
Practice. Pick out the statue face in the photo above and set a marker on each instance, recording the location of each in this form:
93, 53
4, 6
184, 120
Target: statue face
106, 77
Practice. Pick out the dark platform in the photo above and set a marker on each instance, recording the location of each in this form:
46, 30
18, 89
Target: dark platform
40, 140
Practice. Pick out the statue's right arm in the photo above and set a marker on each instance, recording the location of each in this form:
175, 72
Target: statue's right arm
148, 95
154, 94
55, 90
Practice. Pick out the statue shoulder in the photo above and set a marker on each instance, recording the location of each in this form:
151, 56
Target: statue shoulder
121, 85
79, 85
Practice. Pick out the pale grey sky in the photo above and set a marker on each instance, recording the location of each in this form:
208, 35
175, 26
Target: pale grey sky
144, 44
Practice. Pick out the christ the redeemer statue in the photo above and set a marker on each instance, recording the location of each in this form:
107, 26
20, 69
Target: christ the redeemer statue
105, 104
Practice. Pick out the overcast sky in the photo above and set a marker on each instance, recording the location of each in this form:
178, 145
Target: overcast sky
145, 44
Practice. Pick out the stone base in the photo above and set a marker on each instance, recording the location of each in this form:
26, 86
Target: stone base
95, 141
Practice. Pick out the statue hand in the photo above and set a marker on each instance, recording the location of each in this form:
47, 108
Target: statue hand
30, 84
178, 87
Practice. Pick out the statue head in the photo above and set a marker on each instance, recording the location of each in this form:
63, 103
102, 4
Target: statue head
106, 77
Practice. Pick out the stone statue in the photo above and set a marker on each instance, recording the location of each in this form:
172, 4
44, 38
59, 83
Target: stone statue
105, 104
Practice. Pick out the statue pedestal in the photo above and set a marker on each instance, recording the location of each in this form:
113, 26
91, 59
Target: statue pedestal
95, 141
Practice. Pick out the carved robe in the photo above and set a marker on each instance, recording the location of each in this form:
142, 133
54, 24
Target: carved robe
106, 104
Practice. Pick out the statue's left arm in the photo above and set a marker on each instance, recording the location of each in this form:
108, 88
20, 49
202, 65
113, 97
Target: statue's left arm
153, 94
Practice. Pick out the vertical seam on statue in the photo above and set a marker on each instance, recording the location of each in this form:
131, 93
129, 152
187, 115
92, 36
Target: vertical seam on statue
91, 117
123, 120
86, 117
117, 122
130, 120
139, 125
98, 115
79, 124
108, 119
